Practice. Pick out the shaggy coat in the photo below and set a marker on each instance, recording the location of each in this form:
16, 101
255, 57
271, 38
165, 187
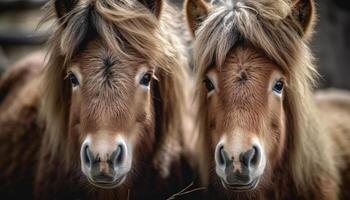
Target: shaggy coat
107, 38
239, 46
21, 130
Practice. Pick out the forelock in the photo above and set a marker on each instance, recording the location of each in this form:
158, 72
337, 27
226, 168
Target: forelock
266, 24
119, 25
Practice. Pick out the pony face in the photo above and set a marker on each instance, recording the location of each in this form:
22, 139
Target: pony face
245, 52
100, 83
245, 117
111, 112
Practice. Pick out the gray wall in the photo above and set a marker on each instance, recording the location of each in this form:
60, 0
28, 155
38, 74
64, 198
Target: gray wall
332, 43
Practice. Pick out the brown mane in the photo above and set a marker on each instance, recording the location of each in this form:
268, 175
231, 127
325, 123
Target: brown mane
270, 27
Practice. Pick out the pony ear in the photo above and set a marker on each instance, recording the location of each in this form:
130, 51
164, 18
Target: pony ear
155, 6
62, 7
303, 11
196, 11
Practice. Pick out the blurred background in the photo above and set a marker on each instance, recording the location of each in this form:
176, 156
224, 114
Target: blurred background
19, 36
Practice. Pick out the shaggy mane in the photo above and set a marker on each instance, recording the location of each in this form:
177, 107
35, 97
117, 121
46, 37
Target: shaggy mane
269, 26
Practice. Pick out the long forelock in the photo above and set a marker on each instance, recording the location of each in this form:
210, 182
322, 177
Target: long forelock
268, 26
120, 25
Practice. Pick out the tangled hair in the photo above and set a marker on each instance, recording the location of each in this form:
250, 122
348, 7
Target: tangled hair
126, 27
281, 29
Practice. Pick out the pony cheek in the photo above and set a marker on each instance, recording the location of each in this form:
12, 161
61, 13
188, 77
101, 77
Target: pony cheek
142, 139
278, 132
281, 142
74, 128
216, 128
274, 147
216, 136
75, 132
140, 132
75, 110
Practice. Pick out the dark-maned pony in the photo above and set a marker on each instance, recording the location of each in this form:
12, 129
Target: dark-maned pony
113, 94
263, 134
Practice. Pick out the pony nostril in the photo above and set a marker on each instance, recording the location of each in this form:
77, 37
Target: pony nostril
119, 155
87, 156
249, 157
256, 156
221, 156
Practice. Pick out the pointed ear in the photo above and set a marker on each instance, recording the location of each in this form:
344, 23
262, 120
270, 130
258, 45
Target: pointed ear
303, 11
195, 11
62, 7
155, 6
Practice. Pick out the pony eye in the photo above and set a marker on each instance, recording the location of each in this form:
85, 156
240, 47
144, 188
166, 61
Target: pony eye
146, 79
73, 79
209, 85
278, 87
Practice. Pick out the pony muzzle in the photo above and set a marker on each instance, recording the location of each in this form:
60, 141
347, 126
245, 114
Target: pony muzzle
240, 170
105, 166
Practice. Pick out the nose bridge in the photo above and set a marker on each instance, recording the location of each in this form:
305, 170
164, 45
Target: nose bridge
237, 142
98, 115
243, 118
103, 143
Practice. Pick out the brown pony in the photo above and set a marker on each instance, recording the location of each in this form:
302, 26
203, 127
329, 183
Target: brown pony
262, 134
113, 94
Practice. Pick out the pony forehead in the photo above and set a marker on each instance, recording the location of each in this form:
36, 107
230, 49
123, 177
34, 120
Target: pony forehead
96, 52
265, 24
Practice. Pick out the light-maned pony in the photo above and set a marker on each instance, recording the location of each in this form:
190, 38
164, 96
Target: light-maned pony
113, 96
262, 134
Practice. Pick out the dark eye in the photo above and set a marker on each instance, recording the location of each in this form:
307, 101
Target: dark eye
278, 87
209, 85
73, 79
146, 79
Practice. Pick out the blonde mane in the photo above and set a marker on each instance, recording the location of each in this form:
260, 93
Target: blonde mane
269, 25
126, 26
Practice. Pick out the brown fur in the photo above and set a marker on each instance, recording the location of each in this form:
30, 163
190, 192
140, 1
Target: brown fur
128, 36
244, 45
20, 125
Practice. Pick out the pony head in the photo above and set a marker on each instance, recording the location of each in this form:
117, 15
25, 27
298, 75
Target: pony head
254, 76
109, 67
